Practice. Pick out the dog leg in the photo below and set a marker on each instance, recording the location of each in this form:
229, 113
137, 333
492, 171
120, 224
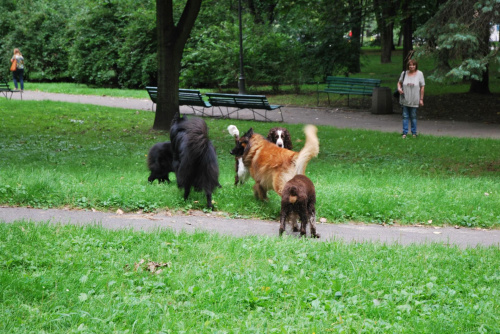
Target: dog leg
303, 223
187, 190
209, 201
259, 192
312, 225
236, 178
283, 222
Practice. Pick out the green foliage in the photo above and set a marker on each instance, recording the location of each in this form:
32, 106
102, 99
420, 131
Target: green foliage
113, 43
459, 39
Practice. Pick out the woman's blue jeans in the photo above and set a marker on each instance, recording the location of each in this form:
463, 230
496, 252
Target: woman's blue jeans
410, 114
17, 75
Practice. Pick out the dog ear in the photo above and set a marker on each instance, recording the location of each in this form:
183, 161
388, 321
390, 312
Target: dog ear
271, 135
288, 140
249, 133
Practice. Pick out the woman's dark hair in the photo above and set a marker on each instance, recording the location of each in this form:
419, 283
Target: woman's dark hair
412, 62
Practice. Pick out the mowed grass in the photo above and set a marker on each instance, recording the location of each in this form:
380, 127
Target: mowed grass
68, 279
57, 154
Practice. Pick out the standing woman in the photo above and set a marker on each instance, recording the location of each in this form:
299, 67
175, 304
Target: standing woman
411, 95
18, 74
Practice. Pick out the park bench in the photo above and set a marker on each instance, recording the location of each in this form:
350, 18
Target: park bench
5, 89
348, 86
240, 102
187, 97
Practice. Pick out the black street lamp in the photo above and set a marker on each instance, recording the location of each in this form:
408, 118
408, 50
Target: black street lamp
241, 81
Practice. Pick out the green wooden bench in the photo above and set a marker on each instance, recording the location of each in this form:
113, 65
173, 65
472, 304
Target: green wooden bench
187, 97
348, 86
240, 102
5, 89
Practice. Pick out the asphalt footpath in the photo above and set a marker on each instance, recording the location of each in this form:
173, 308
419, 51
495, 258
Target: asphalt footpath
220, 223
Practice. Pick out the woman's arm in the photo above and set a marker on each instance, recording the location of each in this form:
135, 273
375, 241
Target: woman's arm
421, 102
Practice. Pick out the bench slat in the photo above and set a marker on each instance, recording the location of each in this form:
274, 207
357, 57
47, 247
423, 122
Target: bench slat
348, 86
5, 89
187, 97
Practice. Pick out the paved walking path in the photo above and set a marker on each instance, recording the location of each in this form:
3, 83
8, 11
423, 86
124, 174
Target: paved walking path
217, 222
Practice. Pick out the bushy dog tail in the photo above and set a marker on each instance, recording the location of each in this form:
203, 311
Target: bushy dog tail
310, 149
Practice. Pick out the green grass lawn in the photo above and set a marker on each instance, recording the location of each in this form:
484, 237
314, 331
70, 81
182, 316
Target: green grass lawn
68, 279
70, 155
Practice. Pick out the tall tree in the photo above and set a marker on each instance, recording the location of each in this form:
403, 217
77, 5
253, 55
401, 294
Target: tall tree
356, 21
458, 34
171, 41
385, 14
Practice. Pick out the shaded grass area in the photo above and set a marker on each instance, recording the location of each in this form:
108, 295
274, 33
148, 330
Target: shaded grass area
60, 154
65, 279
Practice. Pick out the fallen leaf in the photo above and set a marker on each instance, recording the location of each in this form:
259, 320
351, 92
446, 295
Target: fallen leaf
137, 265
153, 266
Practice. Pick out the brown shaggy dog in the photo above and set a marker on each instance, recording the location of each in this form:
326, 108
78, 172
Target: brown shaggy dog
272, 166
281, 137
298, 201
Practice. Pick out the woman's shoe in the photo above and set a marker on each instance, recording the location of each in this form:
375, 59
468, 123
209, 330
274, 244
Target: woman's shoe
414, 135
404, 137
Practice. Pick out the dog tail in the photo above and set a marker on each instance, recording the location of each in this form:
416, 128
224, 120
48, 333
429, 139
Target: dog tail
233, 131
310, 149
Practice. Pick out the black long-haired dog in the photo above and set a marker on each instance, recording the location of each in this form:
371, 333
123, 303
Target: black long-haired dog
194, 158
160, 162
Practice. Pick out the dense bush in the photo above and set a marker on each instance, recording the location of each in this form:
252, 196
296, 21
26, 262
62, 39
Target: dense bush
113, 43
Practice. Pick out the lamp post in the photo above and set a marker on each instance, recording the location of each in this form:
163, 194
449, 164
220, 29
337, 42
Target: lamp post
241, 81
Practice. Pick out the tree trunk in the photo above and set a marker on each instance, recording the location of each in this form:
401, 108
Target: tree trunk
483, 86
407, 34
171, 42
356, 21
384, 13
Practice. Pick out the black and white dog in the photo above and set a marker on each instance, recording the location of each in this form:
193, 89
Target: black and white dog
160, 162
193, 157
242, 173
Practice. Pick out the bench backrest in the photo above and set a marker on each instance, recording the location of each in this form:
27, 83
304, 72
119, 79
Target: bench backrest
4, 86
189, 97
153, 93
239, 101
359, 85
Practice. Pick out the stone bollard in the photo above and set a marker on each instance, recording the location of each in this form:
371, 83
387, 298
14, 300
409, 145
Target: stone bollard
382, 100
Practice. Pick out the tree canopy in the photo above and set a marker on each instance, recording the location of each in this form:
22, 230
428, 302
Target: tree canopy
115, 43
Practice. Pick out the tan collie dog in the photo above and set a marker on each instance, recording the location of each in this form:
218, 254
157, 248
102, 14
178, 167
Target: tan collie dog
272, 166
